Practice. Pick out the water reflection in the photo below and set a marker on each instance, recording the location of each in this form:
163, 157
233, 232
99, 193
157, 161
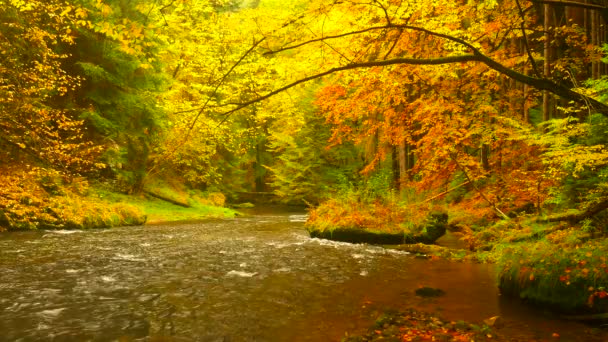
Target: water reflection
249, 279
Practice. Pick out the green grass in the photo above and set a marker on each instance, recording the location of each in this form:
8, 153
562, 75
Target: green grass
159, 211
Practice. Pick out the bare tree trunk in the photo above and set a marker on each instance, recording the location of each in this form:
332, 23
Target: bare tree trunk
485, 156
547, 62
595, 65
601, 39
410, 158
524, 87
403, 176
396, 166
526, 112
604, 66
587, 28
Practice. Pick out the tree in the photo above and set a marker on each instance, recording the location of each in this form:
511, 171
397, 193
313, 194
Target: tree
33, 80
426, 33
115, 56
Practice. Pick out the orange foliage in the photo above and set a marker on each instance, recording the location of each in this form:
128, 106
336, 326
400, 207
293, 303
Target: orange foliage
460, 117
377, 215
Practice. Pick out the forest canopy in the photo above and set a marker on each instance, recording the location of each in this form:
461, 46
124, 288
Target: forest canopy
501, 100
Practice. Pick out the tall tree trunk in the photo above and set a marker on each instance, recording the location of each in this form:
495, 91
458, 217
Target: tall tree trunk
595, 65
485, 156
396, 166
403, 174
260, 184
524, 87
547, 62
525, 109
587, 27
601, 41
410, 160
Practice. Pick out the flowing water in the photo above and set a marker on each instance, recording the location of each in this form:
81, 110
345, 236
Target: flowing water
258, 278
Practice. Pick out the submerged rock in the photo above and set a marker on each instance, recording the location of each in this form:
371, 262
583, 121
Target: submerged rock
494, 322
427, 292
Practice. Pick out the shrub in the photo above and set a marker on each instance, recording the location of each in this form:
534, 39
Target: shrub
41, 199
565, 278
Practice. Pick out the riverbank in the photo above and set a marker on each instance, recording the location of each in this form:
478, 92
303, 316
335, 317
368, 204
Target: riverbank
42, 199
159, 211
550, 263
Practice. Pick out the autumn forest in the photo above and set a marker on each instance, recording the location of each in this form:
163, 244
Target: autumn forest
391, 121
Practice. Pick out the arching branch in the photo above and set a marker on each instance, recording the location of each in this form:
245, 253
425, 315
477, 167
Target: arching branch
475, 56
410, 61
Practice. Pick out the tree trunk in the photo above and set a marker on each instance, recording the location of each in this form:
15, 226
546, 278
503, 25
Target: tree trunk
595, 65
485, 156
403, 167
524, 87
547, 63
260, 184
410, 160
396, 166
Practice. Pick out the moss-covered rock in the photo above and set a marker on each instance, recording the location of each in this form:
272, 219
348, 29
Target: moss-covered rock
434, 227
358, 235
431, 230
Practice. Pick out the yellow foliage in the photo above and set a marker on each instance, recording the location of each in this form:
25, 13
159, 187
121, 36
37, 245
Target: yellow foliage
44, 198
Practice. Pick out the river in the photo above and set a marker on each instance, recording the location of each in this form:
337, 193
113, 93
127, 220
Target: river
257, 278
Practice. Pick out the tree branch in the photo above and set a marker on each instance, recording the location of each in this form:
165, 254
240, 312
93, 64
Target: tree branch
291, 47
525, 36
446, 192
469, 180
578, 216
219, 84
475, 56
411, 61
543, 84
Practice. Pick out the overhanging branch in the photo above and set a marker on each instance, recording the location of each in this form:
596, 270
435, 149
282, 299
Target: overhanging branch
410, 61
475, 56
538, 83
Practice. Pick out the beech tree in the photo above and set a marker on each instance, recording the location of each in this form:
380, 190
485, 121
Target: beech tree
460, 76
35, 126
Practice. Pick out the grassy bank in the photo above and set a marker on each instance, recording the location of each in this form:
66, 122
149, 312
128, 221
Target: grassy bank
161, 211
43, 199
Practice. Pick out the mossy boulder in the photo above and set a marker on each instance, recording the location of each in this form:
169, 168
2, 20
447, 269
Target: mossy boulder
432, 229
